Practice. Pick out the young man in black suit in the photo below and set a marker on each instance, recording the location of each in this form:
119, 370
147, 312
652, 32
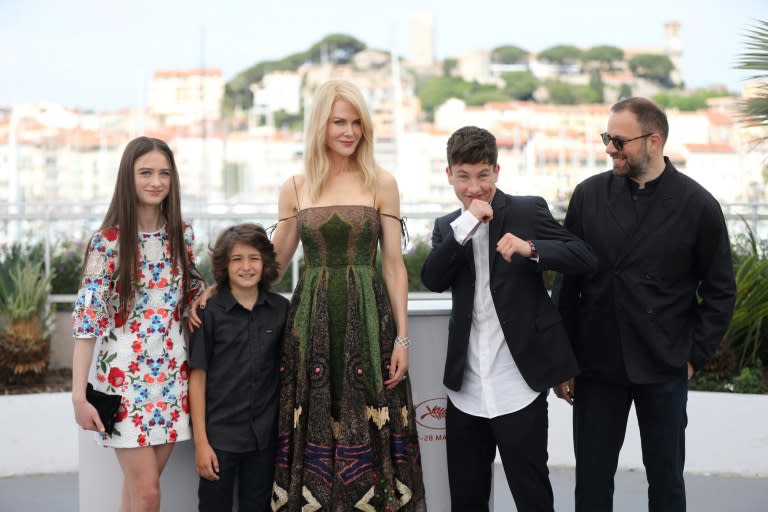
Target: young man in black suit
506, 343
654, 312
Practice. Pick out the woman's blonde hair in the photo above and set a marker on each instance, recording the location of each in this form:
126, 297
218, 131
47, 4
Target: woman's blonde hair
316, 161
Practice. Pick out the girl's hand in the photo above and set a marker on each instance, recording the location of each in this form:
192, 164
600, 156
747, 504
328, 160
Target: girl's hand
194, 321
86, 415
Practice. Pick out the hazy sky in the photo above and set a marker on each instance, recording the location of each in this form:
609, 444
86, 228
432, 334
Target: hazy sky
101, 54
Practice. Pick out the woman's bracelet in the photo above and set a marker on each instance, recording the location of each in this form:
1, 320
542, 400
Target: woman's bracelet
403, 341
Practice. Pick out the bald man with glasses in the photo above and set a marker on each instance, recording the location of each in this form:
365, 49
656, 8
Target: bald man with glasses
654, 312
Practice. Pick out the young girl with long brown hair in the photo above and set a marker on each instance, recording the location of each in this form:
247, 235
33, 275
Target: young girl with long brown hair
138, 278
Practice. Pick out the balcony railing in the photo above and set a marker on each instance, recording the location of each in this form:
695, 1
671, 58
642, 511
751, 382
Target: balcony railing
52, 224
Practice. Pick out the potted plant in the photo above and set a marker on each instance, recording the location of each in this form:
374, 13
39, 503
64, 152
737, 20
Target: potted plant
25, 339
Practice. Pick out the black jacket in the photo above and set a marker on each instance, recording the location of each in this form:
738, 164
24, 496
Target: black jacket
531, 324
640, 308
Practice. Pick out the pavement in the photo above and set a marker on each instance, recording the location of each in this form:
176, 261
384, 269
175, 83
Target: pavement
706, 493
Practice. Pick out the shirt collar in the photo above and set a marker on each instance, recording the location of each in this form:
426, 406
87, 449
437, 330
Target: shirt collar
228, 301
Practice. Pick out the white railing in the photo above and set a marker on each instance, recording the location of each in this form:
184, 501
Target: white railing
54, 223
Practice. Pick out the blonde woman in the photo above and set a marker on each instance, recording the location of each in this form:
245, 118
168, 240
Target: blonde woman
347, 436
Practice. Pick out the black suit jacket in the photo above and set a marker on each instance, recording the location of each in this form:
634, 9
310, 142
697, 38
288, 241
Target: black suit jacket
531, 324
638, 316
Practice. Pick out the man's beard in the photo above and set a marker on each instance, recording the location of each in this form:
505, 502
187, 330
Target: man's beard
634, 168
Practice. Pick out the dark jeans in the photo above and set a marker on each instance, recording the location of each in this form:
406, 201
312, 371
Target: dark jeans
521, 437
600, 413
254, 472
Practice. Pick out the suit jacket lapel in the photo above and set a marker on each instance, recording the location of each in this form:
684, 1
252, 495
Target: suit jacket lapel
498, 204
467, 248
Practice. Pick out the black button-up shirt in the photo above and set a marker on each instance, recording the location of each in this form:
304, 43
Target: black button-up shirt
240, 352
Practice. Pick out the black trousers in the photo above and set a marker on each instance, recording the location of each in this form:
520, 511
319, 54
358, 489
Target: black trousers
600, 413
254, 472
521, 437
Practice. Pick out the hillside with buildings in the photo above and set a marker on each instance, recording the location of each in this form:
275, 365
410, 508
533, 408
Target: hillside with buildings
236, 152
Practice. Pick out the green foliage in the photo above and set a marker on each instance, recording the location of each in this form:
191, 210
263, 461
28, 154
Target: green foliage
414, 259
237, 91
25, 295
747, 380
561, 54
625, 91
13, 256
652, 66
596, 84
563, 93
520, 84
748, 331
603, 54
66, 267
508, 54
755, 59
434, 91
480, 94
338, 47
696, 100
292, 122
449, 65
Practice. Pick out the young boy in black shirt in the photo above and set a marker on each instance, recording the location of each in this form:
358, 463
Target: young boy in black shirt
234, 358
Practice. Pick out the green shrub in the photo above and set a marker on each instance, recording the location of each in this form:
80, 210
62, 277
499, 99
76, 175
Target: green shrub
746, 380
748, 331
66, 267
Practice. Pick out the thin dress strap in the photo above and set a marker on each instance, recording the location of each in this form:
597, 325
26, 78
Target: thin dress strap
271, 229
296, 191
403, 227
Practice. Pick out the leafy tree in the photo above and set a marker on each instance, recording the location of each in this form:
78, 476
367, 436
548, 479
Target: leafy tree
604, 54
237, 91
625, 91
480, 95
435, 90
520, 84
340, 47
508, 54
563, 93
449, 65
561, 54
755, 59
293, 122
596, 84
686, 102
340, 50
652, 66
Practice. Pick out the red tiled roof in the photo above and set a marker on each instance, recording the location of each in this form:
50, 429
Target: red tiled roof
185, 73
719, 118
709, 148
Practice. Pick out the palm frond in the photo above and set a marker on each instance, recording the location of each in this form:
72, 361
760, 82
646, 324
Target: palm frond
754, 111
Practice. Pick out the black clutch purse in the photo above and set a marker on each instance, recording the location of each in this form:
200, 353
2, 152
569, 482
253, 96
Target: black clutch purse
106, 404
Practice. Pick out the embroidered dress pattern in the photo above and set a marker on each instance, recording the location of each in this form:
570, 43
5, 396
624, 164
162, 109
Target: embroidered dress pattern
345, 442
142, 356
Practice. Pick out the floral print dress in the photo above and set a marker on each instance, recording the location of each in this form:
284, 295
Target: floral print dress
142, 356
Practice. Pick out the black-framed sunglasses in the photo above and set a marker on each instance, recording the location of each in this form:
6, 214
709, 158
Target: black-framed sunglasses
619, 143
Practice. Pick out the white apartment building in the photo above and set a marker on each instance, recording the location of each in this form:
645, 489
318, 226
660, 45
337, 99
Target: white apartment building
547, 149
183, 97
279, 90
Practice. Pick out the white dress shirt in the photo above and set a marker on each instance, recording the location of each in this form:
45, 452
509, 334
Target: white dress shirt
492, 383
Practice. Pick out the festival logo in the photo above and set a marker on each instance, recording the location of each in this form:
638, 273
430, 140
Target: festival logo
431, 413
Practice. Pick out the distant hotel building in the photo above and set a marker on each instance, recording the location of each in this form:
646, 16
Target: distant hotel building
186, 97
422, 41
